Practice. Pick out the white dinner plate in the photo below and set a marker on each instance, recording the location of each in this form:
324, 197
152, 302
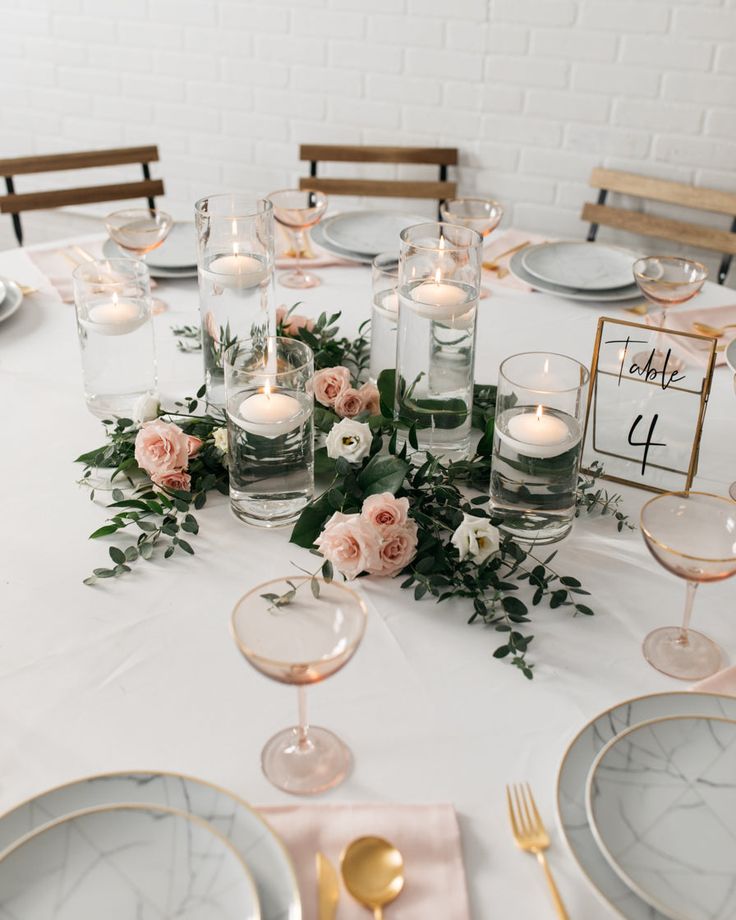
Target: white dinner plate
11, 299
122, 862
178, 250
2, 290
266, 856
516, 267
731, 355
661, 801
318, 238
581, 265
368, 233
573, 774
111, 251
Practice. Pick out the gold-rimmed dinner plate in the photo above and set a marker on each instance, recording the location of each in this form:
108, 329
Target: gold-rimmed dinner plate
125, 861
573, 774
265, 854
111, 251
580, 265
517, 269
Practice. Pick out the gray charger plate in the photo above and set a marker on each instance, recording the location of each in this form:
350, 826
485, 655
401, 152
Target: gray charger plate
573, 774
516, 267
12, 299
111, 251
265, 854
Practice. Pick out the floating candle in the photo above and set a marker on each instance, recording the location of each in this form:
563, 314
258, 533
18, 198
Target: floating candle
118, 317
239, 269
536, 433
438, 299
270, 414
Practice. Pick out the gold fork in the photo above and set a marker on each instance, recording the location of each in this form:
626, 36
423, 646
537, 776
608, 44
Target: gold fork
494, 266
531, 836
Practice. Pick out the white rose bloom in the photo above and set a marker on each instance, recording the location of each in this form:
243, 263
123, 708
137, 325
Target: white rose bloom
476, 537
219, 436
349, 439
145, 409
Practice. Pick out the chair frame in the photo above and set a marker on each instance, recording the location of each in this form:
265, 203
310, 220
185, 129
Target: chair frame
680, 231
442, 157
15, 204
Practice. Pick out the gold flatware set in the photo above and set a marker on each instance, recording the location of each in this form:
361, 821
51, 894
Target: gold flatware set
495, 264
372, 872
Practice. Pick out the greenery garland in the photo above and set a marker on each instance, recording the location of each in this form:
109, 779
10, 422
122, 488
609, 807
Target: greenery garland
440, 497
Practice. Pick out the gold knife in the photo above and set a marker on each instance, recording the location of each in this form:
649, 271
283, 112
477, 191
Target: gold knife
328, 891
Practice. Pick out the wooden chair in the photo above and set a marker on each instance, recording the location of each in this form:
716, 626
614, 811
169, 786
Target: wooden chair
16, 204
678, 231
384, 188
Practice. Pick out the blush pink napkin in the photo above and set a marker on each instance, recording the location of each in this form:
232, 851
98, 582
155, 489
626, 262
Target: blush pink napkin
427, 835
723, 681
58, 268
497, 244
682, 321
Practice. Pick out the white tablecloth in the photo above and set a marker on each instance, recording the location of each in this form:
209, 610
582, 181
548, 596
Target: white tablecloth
141, 673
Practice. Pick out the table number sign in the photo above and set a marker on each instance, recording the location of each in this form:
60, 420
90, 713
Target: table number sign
646, 405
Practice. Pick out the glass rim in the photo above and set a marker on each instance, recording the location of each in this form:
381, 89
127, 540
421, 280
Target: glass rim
551, 354
246, 649
475, 238
308, 357
263, 205
314, 191
392, 257
671, 549
138, 267
149, 211
492, 201
679, 260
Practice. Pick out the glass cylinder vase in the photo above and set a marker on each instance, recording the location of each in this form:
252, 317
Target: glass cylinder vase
235, 257
112, 298
537, 444
270, 428
439, 284
384, 314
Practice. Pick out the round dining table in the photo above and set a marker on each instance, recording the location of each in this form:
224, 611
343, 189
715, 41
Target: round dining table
141, 673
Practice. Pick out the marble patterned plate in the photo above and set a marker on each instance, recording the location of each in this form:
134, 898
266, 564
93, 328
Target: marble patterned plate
368, 232
267, 858
584, 266
731, 355
111, 251
516, 267
661, 800
178, 250
573, 773
318, 238
123, 862
11, 299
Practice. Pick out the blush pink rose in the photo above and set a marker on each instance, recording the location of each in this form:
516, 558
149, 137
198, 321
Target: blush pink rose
173, 479
398, 547
350, 403
371, 398
385, 510
193, 445
329, 384
292, 324
350, 544
161, 447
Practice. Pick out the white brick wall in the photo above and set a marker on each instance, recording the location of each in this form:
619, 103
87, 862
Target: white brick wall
534, 92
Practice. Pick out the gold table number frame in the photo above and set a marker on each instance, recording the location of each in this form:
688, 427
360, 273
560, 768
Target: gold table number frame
596, 415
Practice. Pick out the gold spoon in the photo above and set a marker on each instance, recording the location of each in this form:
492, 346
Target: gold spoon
712, 330
373, 872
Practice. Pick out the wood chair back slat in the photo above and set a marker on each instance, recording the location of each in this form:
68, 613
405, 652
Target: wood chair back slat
688, 196
89, 194
335, 153
667, 192
388, 188
83, 159
15, 203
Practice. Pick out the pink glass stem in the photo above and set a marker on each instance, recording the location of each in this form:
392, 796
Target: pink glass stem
298, 247
303, 741
692, 587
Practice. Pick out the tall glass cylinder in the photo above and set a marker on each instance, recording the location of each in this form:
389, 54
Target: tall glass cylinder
385, 313
270, 407
439, 284
113, 305
537, 445
235, 254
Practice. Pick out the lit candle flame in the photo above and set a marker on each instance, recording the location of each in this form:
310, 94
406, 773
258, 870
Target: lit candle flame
267, 389
540, 410
442, 241
235, 227
437, 276
114, 298
546, 365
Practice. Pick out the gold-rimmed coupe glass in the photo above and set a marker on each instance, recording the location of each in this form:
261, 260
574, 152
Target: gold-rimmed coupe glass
298, 210
301, 631
693, 535
667, 281
480, 214
140, 231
